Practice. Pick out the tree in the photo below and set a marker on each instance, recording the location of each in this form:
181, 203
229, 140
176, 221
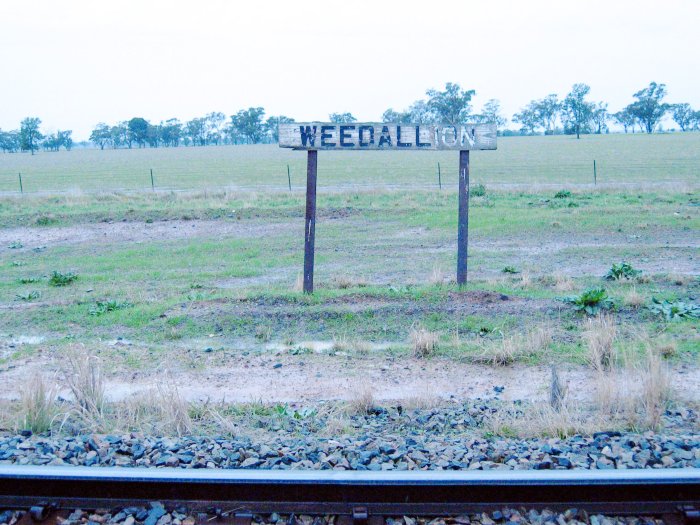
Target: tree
29, 134
138, 131
547, 110
625, 119
54, 141
342, 118
171, 132
600, 116
249, 124
397, 117
539, 114
9, 141
528, 118
120, 135
451, 106
576, 111
648, 109
214, 133
683, 115
491, 112
421, 113
101, 135
196, 130
272, 126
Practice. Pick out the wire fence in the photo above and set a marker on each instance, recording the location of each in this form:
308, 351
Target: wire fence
269, 170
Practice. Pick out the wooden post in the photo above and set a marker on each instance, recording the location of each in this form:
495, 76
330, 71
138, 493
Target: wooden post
595, 174
439, 177
289, 178
21, 189
463, 218
310, 224
153, 187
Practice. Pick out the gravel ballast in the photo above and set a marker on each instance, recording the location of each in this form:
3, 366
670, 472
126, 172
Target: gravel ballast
388, 439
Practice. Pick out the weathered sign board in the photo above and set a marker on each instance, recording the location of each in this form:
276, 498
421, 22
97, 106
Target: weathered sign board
314, 136
372, 136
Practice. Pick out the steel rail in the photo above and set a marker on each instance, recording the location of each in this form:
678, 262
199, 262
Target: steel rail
356, 493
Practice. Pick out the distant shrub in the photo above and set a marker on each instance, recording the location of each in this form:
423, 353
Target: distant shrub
674, 310
510, 269
622, 270
62, 279
15, 245
479, 190
562, 194
591, 301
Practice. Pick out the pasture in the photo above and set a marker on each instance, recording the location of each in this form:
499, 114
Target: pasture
666, 159
202, 284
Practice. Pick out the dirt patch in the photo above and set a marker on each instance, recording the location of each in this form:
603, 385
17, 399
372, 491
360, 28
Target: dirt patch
138, 232
273, 377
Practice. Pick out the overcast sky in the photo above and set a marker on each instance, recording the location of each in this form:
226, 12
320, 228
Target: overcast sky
77, 63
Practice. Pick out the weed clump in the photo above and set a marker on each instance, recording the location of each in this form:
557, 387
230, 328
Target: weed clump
562, 194
621, 271
510, 269
479, 190
591, 301
674, 310
103, 307
62, 279
29, 296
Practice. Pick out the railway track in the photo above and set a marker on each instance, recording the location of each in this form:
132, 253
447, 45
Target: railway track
355, 497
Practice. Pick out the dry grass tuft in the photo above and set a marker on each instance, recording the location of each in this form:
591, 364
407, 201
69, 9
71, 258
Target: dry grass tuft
173, 409
542, 420
563, 283
632, 298
349, 282
83, 376
599, 337
351, 344
363, 400
637, 394
38, 409
538, 340
500, 353
298, 285
437, 276
680, 279
424, 342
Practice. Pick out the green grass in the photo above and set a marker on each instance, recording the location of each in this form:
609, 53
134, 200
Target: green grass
554, 160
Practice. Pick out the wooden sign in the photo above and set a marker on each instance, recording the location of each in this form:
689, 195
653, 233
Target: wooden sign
373, 136
313, 136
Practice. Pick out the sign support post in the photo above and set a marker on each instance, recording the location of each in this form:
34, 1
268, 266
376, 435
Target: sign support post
373, 136
310, 223
463, 218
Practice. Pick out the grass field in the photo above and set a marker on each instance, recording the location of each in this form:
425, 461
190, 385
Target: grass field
620, 159
203, 283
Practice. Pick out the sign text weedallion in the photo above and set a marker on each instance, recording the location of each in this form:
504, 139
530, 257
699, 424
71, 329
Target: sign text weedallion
372, 136
314, 136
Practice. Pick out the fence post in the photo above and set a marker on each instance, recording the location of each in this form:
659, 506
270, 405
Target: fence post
595, 174
21, 189
439, 177
153, 187
289, 178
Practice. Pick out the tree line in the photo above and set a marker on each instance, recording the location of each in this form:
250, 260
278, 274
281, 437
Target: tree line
29, 138
575, 114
